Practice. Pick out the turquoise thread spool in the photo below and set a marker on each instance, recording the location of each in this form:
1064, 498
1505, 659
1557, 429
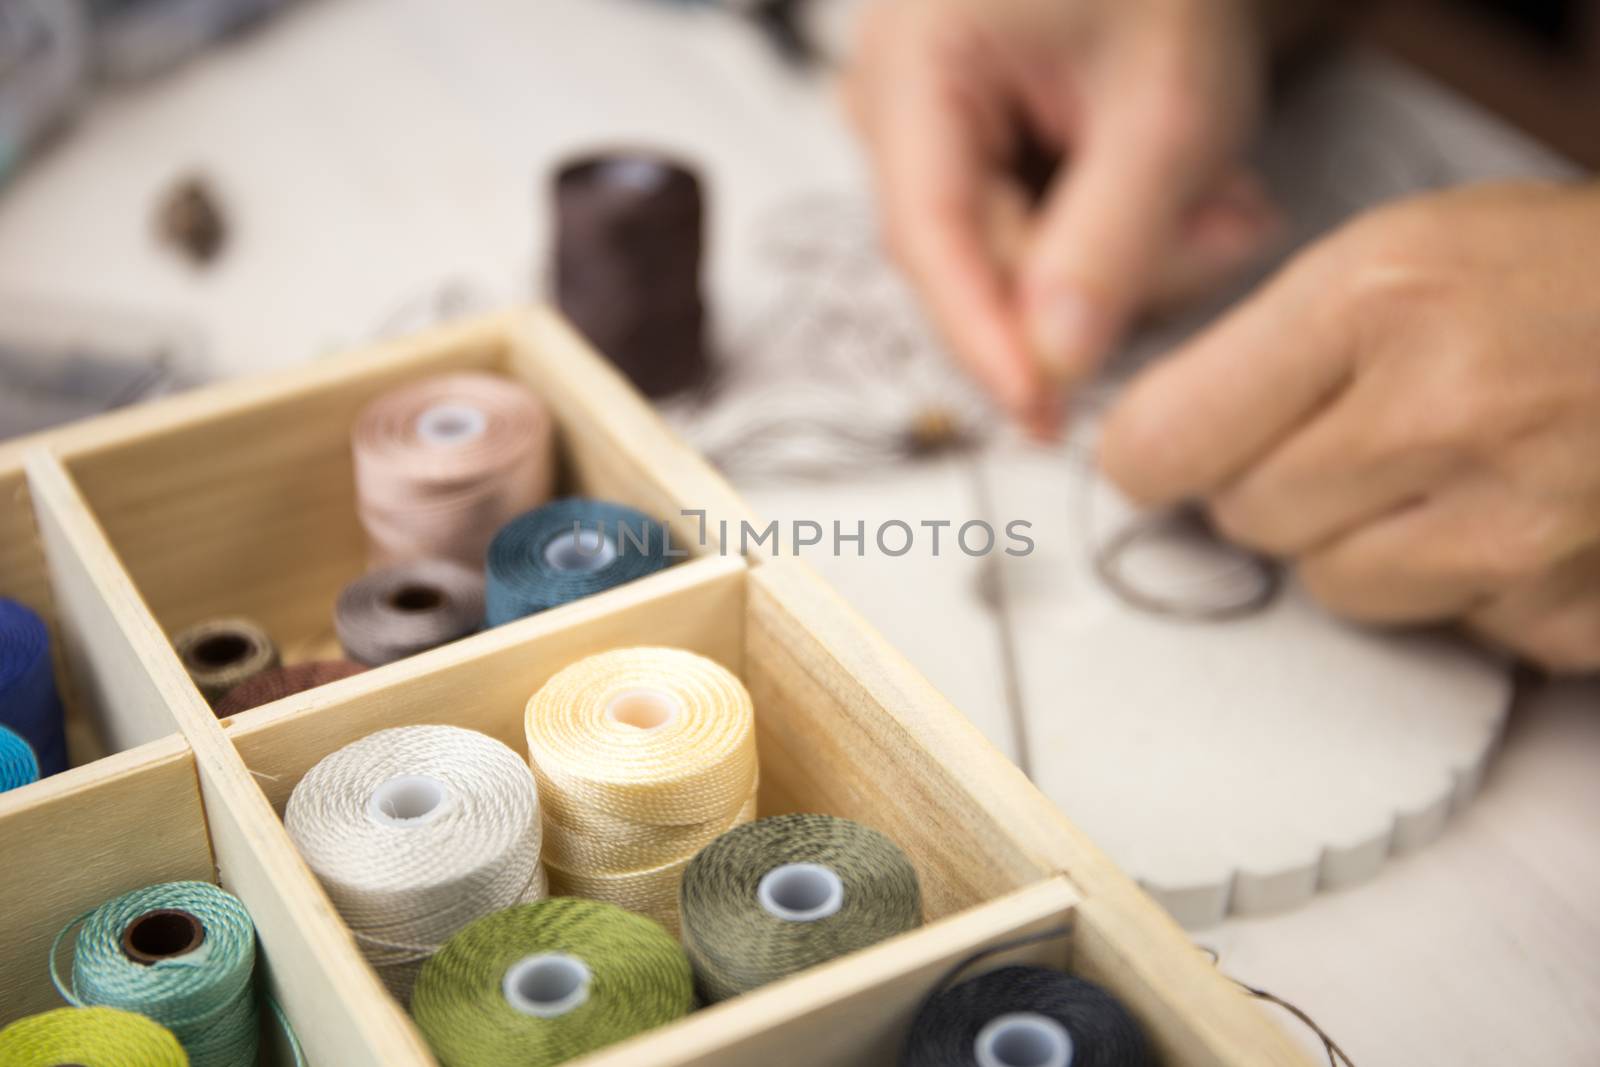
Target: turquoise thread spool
18, 764
181, 953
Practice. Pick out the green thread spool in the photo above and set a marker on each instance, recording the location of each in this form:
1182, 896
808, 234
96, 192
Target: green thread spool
782, 894
539, 984
181, 953
89, 1037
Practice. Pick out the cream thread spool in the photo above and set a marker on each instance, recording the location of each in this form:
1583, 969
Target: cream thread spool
643, 756
415, 832
443, 463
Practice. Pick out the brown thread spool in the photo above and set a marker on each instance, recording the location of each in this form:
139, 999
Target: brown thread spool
281, 682
162, 934
398, 611
221, 653
629, 242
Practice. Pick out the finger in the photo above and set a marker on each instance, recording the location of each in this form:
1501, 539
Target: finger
1441, 558
932, 150
1554, 620
1215, 407
1107, 222
1337, 473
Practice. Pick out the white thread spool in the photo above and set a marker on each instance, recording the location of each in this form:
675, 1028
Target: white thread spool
580, 551
414, 832
547, 986
1023, 1039
801, 892
450, 425
643, 709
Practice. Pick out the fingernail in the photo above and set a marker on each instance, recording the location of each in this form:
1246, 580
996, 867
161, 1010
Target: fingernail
1062, 329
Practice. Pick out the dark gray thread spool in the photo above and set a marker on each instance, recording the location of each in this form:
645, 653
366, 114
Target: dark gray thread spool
1025, 1017
399, 611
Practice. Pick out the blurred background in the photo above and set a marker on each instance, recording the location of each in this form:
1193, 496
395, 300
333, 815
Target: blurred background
193, 190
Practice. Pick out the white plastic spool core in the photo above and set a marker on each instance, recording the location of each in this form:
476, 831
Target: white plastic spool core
644, 709
409, 800
444, 425
801, 892
634, 173
547, 986
1023, 1039
580, 551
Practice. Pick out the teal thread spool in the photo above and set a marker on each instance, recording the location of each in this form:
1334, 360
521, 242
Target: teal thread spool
539, 984
181, 953
18, 764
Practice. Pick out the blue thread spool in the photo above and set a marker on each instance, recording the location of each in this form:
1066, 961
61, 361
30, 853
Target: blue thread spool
18, 765
566, 550
29, 704
181, 953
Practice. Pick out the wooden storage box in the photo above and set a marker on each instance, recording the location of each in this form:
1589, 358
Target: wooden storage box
238, 500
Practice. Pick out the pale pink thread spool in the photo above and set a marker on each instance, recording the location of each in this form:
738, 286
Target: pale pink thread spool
443, 463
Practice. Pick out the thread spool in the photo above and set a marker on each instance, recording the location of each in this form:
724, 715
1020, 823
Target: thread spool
90, 1037
282, 682
442, 463
181, 953
628, 248
1025, 1017
222, 653
539, 984
407, 608
769, 899
29, 703
414, 832
18, 765
643, 755
566, 550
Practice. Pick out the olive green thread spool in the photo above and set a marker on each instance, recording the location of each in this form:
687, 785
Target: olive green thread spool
538, 984
776, 896
222, 653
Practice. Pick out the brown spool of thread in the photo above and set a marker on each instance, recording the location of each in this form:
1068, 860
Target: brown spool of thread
162, 934
272, 685
630, 232
219, 654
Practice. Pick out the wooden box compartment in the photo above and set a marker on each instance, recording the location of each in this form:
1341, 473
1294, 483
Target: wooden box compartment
250, 509
213, 502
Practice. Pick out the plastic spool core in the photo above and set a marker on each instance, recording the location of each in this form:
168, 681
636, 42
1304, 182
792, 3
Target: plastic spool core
409, 800
580, 551
162, 934
547, 986
221, 650
1023, 1039
445, 425
644, 709
801, 892
416, 598
641, 174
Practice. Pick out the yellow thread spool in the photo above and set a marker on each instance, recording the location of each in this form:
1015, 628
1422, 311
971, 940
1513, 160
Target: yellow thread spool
643, 756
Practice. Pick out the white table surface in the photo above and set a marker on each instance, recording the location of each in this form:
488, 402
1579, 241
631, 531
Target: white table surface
368, 150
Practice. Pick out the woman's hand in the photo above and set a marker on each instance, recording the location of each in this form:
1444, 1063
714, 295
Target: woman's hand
1149, 102
1411, 413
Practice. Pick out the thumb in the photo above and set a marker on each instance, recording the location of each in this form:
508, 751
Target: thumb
1107, 223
